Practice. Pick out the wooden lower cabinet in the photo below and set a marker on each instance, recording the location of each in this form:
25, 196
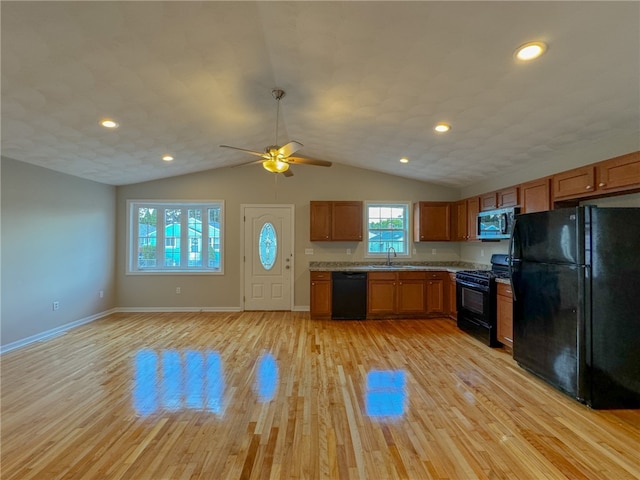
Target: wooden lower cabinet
411, 294
505, 315
406, 294
320, 295
381, 293
453, 308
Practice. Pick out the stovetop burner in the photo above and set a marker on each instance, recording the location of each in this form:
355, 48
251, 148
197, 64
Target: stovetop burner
499, 269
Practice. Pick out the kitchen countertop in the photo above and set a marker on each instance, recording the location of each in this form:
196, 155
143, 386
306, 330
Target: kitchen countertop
396, 266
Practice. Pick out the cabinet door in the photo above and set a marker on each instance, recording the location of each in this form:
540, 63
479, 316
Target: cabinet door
574, 183
536, 196
320, 221
411, 293
453, 309
320, 295
473, 208
432, 221
488, 201
381, 297
620, 173
505, 315
460, 223
435, 292
508, 197
346, 221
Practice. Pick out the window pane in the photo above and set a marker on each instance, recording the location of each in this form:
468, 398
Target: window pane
267, 246
388, 228
195, 237
147, 221
172, 218
214, 237
175, 237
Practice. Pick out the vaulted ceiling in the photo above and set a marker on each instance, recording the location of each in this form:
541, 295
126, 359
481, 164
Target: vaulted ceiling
365, 84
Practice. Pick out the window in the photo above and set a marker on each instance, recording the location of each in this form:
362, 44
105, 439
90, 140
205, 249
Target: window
175, 237
387, 227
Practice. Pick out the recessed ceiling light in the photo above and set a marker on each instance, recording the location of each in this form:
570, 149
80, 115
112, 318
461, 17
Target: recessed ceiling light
530, 51
442, 127
167, 158
404, 160
108, 123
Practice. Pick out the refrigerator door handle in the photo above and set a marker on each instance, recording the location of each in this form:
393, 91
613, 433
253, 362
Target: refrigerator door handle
511, 260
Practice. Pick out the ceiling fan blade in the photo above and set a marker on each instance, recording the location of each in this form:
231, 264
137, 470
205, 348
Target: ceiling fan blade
259, 154
288, 173
252, 162
309, 161
290, 148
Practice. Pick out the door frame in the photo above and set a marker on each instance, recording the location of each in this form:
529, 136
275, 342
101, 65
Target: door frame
243, 208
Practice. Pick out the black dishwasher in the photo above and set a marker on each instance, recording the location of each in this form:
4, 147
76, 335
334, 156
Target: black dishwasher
349, 295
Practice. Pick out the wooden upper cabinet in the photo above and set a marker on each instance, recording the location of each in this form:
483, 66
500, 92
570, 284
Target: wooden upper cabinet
335, 221
579, 182
536, 195
473, 208
320, 221
508, 197
488, 201
460, 222
346, 223
431, 221
619, 173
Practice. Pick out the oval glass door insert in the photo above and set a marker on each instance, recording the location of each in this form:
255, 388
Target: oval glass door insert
268, 246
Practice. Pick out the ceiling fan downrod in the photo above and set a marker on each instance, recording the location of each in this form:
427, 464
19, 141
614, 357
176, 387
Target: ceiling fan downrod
277, 94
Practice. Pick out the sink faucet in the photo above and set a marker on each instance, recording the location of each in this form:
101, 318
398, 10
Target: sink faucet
389, 254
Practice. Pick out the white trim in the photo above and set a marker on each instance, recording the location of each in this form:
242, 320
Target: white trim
54, 332
176, 309
292, 209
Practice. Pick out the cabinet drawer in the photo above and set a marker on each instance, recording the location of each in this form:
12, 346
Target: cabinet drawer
381, 275
504, 290
320, 276
437, 275
412, 275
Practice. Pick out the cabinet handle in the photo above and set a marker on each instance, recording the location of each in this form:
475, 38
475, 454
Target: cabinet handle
601, 184
312, 284
589, 187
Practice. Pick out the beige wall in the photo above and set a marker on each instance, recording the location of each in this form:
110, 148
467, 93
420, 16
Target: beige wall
58, 244
253, 185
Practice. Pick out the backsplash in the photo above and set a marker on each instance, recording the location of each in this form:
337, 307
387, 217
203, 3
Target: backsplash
480, 252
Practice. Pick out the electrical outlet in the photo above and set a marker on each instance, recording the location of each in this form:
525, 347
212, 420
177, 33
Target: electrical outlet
56, 306
482, 252
348, 251
308, 251
415, 251
101, 293
433, 251
178, 290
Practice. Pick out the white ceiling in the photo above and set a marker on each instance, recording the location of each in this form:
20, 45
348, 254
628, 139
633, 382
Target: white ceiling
365, 82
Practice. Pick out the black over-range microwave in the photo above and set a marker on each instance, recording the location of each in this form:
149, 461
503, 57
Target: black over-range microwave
496, 224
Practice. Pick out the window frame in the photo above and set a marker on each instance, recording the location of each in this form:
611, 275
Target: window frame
185, 244
407, 228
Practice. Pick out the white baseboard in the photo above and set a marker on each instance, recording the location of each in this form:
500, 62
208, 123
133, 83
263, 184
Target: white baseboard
54, 332
176, 309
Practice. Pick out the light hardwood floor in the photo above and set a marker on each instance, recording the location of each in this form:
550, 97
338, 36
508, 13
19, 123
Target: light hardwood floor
277, 395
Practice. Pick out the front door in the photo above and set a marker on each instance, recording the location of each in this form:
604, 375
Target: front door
268, 257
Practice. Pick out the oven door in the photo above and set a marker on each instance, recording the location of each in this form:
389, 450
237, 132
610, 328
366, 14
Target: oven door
476, 312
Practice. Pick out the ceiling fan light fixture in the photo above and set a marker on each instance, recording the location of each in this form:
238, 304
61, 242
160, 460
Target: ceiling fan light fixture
275, 166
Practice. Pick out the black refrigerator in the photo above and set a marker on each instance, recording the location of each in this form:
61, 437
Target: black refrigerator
576, 287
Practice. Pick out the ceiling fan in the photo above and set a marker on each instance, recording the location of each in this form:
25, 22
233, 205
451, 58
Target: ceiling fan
277, 159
